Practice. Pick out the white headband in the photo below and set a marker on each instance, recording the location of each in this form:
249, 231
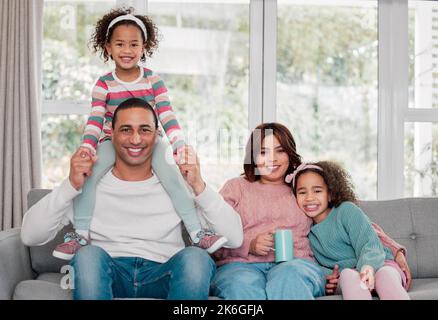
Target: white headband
131, 18
291, 176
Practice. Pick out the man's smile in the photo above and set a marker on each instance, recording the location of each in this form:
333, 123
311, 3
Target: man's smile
135, 151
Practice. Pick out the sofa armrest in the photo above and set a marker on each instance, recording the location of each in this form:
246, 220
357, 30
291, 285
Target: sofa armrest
14, 262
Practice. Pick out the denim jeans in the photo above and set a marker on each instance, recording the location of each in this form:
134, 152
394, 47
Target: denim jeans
299, 279
97, 276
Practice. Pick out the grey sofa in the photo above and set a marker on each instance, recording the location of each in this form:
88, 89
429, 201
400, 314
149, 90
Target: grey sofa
32, 273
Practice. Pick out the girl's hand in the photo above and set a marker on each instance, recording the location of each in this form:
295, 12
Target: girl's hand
367, 276
178, 153
262, 244
87, 154
332, 281
188, 164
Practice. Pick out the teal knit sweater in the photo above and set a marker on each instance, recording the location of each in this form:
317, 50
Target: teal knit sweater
346, 238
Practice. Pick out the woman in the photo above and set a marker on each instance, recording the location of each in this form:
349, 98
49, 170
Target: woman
265, 203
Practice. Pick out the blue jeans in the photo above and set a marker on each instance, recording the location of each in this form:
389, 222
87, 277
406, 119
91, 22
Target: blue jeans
97, 276
299, 279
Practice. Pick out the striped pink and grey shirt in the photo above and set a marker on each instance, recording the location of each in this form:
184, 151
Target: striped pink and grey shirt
109, 92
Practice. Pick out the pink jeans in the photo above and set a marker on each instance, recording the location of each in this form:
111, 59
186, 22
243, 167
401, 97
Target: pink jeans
389, 283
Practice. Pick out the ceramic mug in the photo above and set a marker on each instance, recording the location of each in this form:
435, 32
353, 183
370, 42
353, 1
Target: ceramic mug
284, 249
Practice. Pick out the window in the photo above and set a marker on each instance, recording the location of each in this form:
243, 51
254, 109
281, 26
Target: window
69, 72
354, 80
61, 136
423, 54
204, 59
421, 159
327, 83
421, 135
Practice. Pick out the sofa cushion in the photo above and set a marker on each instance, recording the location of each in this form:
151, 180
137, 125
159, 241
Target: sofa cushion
41, 256
51, 277
46, 287
42, 259
424, 289
413, 222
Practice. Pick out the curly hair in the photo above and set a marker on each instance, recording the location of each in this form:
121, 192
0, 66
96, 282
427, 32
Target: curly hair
254, 144
98, 39
338, 181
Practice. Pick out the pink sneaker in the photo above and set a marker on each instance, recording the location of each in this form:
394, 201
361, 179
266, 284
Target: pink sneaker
210, 241
72, 243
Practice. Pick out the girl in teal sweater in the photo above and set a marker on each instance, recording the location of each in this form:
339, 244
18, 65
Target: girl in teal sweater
343, 235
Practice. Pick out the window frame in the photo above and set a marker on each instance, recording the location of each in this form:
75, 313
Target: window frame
393, 84
393, 96
393, 107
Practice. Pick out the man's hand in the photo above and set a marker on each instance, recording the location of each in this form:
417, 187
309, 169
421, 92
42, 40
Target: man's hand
262, 244
400, 259
188, 163
80, 167
332, 281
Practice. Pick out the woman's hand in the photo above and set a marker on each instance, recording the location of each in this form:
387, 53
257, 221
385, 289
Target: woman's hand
262, 244
332, 281
400, 259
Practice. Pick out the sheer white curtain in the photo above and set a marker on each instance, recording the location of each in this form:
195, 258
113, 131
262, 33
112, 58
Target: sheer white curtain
20, 103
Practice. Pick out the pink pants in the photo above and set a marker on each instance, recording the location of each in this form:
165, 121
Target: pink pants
389, 282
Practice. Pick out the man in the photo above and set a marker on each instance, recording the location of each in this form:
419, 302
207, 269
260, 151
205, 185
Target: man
136, 247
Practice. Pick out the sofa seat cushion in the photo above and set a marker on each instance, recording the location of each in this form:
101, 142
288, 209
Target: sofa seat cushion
46, 287
51, 277
424, 289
